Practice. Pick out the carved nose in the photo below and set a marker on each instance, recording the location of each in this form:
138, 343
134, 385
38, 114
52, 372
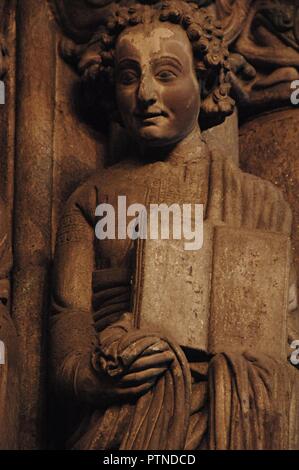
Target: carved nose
146, 103
146, 93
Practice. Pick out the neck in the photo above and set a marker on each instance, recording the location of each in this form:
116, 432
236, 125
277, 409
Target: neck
185, 150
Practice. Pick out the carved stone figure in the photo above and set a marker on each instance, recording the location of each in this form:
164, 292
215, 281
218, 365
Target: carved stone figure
9, 361
265, 35
156, 68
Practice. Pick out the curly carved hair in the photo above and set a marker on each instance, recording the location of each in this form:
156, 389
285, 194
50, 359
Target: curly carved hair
95, 60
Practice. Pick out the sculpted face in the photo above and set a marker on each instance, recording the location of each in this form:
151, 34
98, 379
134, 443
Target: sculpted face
158, 93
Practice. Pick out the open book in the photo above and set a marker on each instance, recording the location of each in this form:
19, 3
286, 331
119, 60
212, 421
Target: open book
230, 295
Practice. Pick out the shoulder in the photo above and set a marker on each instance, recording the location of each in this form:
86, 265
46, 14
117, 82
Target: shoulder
77, 209
100, 180
84, 200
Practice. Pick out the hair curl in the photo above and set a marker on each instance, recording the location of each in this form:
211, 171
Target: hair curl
95, 60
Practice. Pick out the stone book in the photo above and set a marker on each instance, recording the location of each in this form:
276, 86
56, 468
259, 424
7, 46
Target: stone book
216, 299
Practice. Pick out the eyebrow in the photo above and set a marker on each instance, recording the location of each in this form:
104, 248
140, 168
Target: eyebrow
170, 58
128, 61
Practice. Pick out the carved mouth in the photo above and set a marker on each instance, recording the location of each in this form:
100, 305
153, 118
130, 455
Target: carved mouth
150, 115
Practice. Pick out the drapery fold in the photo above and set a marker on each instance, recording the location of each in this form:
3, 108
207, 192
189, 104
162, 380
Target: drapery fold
249, 402
157, 420
247, 408
243, 401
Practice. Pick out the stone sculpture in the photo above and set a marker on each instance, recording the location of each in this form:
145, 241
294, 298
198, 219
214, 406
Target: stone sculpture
156, 68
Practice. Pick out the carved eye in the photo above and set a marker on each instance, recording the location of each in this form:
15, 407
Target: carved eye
3, 301
128, 77
166, 75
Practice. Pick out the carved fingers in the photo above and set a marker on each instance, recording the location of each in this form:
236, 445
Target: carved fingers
133, 391
141, 359
162, 359
143, 374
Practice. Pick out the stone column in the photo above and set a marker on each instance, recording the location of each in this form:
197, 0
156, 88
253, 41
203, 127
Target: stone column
7, 111
9, 368
33, 207
55, 151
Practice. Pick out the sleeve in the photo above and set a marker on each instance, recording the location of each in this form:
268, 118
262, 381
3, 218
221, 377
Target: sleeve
73, 337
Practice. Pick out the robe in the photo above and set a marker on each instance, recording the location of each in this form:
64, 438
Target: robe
222, 401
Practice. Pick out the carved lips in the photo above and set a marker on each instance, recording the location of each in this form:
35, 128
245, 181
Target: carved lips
149, 118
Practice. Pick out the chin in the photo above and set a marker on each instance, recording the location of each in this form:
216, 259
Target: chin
154, 137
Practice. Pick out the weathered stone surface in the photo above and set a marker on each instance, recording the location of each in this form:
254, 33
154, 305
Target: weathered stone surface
9, 351
216, 299
32, 209
269, 149
7, 111
52, 145
175, 301
97, 349
248, 265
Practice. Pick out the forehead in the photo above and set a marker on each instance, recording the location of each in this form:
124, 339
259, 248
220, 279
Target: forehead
153, 40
